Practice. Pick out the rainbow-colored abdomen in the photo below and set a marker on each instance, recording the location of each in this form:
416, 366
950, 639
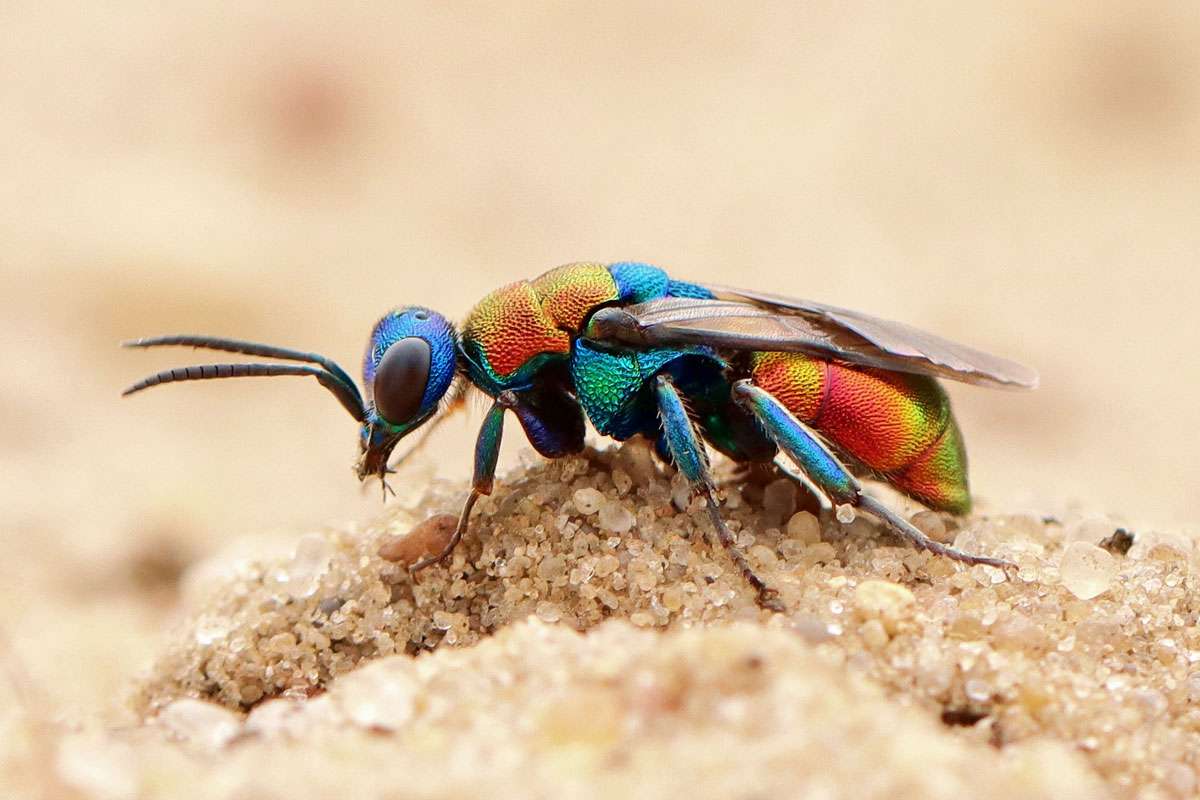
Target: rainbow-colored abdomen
897, 424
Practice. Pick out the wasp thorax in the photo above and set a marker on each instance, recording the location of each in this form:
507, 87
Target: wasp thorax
400, 379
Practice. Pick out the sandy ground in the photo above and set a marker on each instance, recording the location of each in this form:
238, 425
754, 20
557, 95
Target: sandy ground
1024, 181
585, 635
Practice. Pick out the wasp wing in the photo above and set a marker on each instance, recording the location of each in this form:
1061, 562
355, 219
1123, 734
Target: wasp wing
742, 320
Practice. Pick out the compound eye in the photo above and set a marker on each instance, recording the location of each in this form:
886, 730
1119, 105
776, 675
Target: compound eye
400, 379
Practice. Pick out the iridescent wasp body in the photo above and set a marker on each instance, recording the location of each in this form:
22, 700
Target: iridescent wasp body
688, 366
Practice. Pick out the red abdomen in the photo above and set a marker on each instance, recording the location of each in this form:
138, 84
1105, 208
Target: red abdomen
897, 424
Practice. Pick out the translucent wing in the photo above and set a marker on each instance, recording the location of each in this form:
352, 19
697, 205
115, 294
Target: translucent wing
743, 320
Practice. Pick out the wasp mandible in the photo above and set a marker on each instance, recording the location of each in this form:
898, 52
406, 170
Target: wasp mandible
688, 366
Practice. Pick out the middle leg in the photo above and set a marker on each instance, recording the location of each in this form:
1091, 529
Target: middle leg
691, 459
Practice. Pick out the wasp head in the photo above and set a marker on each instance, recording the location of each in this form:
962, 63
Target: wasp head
409, 366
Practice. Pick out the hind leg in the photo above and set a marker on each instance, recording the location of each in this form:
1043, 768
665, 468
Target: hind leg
686, 450
823, 469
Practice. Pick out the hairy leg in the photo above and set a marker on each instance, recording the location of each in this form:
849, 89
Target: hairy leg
690, 457
822, 467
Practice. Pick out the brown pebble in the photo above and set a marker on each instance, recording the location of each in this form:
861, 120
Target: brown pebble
1118, 543
427, 538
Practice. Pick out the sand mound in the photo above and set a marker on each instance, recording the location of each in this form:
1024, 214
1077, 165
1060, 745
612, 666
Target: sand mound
993, 680
539, 710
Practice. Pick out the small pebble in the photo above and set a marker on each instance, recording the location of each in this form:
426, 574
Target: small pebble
551, 568
681, 493
622, 481
278, 718
428, 538
615, 518
638, 462
874, 635
587, 501
378, 696
204, 724
846, 513
931, 524
804, 527
812, 630
977, 691
606, 565
1118, 543
672, 598
643, 619
779, 500
548, 612
1017, 632
1087, 570
883, 600
309, 563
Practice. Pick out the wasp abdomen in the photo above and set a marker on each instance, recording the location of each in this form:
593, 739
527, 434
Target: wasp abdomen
897, 424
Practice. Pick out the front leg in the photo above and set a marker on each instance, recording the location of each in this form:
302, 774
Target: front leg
487, 452
691, 459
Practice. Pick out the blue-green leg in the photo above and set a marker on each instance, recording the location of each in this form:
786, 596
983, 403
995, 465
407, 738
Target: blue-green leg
823, 469
691, 459
487, 452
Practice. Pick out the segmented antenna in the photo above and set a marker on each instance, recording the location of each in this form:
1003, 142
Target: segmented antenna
330, 375
245, 348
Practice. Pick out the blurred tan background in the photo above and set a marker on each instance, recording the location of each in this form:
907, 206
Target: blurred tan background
1025, 181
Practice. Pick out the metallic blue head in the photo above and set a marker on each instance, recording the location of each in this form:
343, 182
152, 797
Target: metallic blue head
409, 366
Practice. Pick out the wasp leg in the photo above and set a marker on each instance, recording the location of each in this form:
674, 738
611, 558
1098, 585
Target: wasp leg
487, 451
815, 460
691, 459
